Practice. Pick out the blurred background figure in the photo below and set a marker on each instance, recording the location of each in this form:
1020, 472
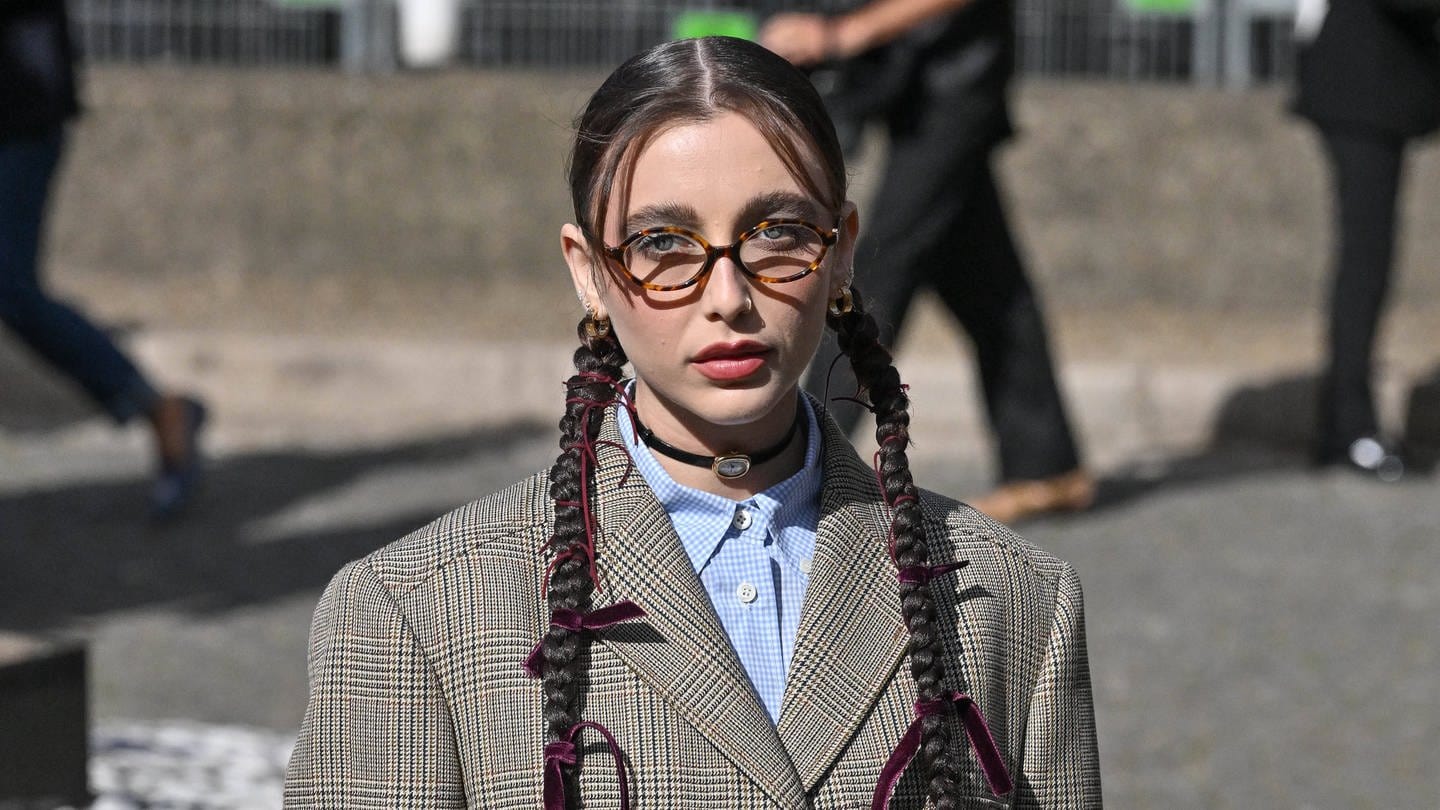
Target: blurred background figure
1369, 79
37, 100
936, 73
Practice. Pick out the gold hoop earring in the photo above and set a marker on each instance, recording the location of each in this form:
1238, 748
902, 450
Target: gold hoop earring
596, 327
843, 304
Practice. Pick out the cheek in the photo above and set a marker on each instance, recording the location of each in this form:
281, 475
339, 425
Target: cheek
804, 319
645, 332
812, 329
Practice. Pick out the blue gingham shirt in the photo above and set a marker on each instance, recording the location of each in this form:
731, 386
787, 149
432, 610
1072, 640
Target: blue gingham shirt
753, 556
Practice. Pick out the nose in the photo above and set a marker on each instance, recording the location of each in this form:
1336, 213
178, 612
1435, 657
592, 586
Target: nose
727, 291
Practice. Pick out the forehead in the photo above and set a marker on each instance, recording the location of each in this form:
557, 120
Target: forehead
716, 167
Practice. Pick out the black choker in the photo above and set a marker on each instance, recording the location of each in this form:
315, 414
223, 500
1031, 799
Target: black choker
730, 465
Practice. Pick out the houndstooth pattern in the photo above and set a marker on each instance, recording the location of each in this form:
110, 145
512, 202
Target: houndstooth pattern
418, 698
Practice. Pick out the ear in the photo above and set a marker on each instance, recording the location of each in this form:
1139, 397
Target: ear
584, 272
843, 264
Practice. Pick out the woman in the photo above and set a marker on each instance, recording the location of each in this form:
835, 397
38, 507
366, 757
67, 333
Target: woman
645, 595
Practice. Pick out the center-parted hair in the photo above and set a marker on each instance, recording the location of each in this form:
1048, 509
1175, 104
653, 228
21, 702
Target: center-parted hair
691, 81
675, 84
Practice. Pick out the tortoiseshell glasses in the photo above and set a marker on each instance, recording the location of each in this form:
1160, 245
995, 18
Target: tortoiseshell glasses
774, 251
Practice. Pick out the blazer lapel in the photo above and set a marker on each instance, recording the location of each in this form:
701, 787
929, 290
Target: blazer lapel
851, 636
687, 658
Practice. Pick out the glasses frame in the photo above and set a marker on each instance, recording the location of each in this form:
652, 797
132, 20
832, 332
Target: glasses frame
714, 253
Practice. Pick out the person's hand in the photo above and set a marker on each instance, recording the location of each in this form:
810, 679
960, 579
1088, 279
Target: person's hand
803, 39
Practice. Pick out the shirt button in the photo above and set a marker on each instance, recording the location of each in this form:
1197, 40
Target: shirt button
743, 519
804, 566
745, 593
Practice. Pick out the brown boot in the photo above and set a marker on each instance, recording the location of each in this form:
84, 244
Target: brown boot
1014, 501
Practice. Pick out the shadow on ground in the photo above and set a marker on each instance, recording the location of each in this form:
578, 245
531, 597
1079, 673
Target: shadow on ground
1266, 428
85, 550
1422, 421
89, 549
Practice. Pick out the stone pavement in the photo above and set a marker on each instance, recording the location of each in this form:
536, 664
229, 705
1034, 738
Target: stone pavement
138, 765
1260, 634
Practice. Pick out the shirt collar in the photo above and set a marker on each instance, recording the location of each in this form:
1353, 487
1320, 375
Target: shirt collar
794, 501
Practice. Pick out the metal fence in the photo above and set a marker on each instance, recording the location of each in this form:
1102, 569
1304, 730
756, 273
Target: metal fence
224, 32
1235, 40
1087, 38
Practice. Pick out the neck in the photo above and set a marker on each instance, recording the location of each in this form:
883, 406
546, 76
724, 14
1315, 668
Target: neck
754, 438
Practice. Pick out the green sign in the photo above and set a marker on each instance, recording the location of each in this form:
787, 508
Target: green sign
1162, 6
692, 24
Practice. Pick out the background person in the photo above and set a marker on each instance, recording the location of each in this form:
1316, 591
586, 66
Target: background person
37, 100
719, 593
937, 72
1369, 80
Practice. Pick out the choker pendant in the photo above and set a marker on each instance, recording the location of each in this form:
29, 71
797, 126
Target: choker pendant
726, 466
732, 465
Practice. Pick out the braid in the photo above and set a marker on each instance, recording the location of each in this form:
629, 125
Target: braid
570, 583
859, 339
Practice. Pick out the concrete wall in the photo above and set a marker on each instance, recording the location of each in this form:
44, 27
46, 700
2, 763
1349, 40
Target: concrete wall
1165, 193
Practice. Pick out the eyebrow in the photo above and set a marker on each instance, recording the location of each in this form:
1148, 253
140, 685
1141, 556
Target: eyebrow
778, 205
666, 213
769, 205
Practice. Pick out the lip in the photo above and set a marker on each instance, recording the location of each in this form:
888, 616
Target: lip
733, 360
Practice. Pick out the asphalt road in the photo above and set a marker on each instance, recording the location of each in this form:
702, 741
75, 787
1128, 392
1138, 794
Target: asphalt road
1260, 634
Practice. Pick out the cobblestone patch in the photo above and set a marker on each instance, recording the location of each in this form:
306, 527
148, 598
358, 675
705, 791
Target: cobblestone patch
184, 764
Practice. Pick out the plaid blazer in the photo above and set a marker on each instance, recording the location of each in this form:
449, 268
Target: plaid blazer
418, 697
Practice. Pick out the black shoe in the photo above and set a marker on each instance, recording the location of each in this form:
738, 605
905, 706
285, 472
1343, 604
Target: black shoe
177, 483
1369, 456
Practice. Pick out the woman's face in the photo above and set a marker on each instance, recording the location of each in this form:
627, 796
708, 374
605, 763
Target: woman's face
720, 360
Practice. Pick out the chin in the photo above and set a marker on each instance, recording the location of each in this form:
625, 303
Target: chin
740, 406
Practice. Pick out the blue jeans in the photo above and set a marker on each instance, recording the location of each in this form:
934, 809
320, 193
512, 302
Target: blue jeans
57, 333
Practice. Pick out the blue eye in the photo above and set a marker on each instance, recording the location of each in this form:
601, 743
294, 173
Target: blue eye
659, 243
780, 237
663, 251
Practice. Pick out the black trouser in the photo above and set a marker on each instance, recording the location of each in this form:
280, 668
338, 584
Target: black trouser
1366, 168
937, 221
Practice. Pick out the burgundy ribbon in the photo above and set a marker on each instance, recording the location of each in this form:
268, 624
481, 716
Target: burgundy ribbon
575, 621
975, 728
589, 461
561, 752
921, 574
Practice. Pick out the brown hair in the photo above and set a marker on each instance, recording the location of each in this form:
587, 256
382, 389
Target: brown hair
692, 81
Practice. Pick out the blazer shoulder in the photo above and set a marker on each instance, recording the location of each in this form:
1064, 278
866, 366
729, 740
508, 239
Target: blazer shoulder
511, 516
966, 530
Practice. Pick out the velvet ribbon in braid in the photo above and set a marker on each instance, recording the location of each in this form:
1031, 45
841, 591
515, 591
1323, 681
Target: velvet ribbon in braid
599, 362
858, 337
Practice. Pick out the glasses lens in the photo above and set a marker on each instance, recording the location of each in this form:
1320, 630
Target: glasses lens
664, 259
781, 250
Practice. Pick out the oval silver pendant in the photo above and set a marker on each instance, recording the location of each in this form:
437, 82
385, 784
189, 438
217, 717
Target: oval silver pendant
731, 465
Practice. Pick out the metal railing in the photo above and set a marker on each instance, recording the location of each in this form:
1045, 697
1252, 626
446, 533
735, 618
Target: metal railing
221, 32
1230, 41
1088, 38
